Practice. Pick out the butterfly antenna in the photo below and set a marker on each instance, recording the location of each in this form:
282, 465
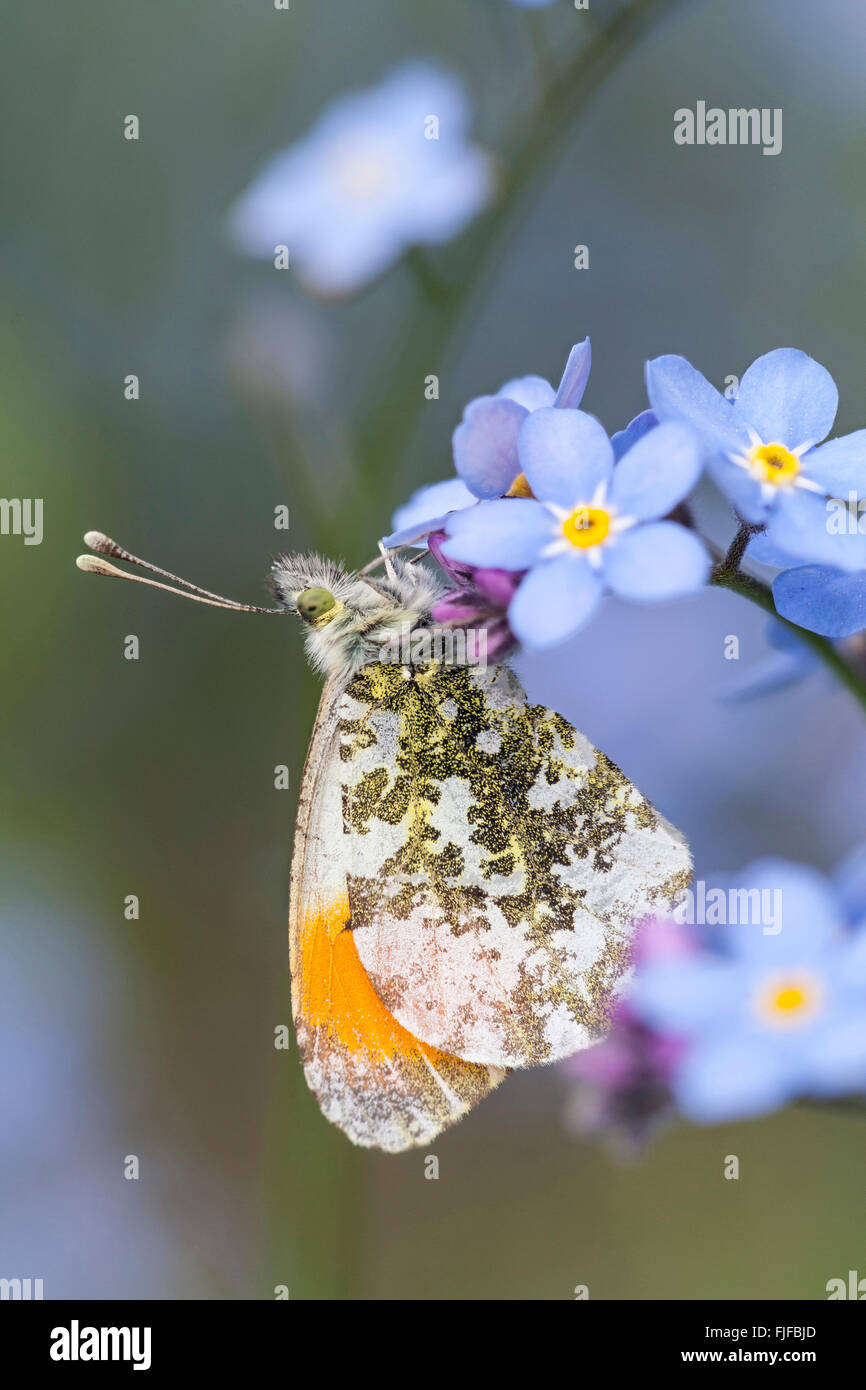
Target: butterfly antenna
383, 558
104, 545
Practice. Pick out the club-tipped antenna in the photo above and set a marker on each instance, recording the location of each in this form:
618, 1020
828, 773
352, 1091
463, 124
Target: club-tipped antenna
104, 545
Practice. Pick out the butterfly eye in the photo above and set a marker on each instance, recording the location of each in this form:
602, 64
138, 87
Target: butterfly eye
313, 604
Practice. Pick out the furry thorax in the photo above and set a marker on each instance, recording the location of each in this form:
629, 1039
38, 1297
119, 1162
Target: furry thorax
370, 611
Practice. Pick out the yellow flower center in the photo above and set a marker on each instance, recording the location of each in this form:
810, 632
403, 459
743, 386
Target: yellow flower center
520, 487
786, 1001
773, 463
362, 176
587, 526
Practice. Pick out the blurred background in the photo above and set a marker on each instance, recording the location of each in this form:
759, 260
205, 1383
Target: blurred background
155, 777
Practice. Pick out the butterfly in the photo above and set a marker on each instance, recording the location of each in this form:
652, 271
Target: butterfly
468, 870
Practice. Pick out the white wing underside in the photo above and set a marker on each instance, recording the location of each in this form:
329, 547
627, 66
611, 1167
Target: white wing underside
515, 957
378, 1084
467, 874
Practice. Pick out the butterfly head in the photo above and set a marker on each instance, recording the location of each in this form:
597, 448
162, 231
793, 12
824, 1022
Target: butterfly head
350, 617
317, 606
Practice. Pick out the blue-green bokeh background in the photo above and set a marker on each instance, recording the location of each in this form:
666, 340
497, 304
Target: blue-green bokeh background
155, 777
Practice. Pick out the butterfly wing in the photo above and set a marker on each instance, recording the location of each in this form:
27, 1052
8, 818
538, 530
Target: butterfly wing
374, 1079
499, 862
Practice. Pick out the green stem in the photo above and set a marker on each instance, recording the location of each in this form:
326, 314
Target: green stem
432, 284
388, 429
542, 57
727, 577
737, 549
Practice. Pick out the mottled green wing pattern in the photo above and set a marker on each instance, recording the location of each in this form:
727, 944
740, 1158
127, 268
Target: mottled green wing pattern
497, 862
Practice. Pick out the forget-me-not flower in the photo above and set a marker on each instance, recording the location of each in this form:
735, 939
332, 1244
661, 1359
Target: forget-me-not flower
768, 1014
590, 524
485, 447
824, 600
789, 662
380, 171
767, 455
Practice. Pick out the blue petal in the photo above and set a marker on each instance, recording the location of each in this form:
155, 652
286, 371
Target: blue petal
822, 599
623, 440
787, 396
728, 1078
565, 454
445, 194
485, 444
765, 553
415, 88
851, 960
657, 472
799, 525
678, 392
427, 509
849, 880
742, 491
836, 1060
791, 660
508, 533
554, 600
654, 562
791, 911
532, 392
687, 994
839, 465
785, 639
574, 378
772, 673
334, 262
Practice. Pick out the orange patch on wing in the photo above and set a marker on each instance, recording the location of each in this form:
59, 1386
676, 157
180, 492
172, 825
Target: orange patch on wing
336, 995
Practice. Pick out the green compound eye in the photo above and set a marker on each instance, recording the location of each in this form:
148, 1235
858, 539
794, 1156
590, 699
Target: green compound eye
313, 604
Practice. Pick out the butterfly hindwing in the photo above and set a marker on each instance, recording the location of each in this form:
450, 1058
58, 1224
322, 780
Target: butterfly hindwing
497, 861
374, 1079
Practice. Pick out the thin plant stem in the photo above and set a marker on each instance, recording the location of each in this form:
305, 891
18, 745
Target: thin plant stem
737, 549
387, 430
430, 281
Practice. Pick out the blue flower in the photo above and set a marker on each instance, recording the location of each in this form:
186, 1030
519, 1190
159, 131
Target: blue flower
822, 599
790, 662
485, 446
382, 170
590, 524
767, 453
531, 4
771, 1011
427, 510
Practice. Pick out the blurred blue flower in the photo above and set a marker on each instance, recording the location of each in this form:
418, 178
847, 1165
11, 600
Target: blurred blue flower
824, 600
382, 170
589, 524
767, 454
768, 1013
790, 661
531, 4
485, 446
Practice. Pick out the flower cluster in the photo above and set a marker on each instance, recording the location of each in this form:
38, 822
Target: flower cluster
540, 491
758, 1000
543, 493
